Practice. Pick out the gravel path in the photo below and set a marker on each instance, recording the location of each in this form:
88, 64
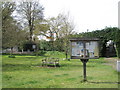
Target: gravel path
111, 61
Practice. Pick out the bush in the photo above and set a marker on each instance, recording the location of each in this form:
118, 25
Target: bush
11, 56
40, 53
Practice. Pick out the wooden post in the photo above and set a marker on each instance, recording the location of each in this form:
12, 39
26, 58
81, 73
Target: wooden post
84, 49
84, 61
84, 69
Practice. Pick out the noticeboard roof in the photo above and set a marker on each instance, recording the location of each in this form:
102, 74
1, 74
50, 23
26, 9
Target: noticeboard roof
84, 39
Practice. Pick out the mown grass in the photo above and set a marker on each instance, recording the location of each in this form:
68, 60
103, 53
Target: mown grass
27, 72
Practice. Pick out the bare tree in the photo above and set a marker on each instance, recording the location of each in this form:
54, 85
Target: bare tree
29, 13
67, 28
57, 28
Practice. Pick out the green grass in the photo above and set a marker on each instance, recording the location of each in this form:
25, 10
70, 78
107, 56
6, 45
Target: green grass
26, 72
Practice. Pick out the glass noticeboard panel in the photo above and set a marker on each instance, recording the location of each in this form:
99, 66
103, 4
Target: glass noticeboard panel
81, 49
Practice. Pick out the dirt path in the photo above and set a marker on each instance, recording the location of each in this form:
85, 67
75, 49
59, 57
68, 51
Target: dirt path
111, 61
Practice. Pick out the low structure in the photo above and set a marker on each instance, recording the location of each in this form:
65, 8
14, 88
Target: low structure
51, 62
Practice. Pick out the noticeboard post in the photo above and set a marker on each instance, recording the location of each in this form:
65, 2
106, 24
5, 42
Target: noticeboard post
84, 49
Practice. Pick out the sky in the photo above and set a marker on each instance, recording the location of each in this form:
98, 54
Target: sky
86, 14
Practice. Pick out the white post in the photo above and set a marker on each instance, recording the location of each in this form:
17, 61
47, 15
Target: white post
118, 66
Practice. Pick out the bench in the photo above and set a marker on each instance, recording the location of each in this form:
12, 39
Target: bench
51, 62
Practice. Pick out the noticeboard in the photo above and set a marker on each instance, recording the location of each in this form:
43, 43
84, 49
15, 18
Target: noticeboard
84, 48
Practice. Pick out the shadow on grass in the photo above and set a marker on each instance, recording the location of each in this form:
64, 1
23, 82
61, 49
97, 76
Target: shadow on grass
104, 82
74, 65
20, 67
15, 67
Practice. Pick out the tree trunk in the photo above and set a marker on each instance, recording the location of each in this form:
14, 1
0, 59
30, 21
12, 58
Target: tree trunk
37, 49
31, 35
11, 51
118, 49
66, 55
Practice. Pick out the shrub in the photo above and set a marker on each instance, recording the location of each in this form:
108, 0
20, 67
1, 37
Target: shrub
11, 56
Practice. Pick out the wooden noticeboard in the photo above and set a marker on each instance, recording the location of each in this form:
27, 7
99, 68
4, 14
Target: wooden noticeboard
84, 48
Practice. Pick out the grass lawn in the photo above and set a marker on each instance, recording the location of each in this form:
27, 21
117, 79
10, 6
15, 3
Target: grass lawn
26, 72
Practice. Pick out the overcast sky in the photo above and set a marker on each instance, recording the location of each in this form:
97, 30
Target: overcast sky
87, 14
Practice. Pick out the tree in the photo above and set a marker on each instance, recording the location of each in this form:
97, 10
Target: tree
117, 41
66, 30
30, 12
12, 35
57, 30
63, 27
8, 27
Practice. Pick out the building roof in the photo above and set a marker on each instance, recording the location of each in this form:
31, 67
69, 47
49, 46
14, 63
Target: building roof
84, 39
